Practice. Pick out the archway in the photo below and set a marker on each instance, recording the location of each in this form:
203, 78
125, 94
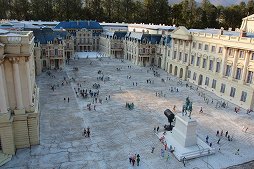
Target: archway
175, 71
200, 80
170, 68
181, 73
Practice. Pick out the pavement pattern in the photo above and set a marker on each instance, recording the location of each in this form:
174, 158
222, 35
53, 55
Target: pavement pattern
117, 131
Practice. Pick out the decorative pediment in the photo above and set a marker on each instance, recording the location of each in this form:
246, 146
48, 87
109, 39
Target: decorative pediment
240, 65
181, 33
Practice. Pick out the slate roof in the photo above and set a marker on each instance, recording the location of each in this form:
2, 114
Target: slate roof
78, 25
44, 35
150, 38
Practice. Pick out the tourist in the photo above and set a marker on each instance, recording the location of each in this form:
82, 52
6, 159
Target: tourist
138, 159
226, 134
221, 133
246, 129
217, 134
165, 145
88, 132
237, 152
133, 160
218, 142
152, 149
84, 132
201, 110
94, 107
162, 153
68, 99
211, 144
207, 137
158, 128
130, 158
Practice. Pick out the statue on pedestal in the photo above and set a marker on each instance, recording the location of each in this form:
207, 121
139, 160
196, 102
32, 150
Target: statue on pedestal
187, 107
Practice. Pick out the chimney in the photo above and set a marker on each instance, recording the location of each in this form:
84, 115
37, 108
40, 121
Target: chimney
243, 33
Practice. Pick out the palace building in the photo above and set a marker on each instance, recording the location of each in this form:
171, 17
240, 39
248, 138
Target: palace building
19, 101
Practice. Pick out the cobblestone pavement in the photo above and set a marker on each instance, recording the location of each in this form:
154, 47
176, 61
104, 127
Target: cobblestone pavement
117, 131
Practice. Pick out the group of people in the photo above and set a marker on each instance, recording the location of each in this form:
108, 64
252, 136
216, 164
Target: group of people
86, 132
134, 158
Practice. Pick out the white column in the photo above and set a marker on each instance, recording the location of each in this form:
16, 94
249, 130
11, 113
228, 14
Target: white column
245, 68
17, 85
29, 81
234, 66
3, 106
223, 62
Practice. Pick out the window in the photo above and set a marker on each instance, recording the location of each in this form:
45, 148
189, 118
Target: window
174, 55
241, 54
180, 55
238, 73
187, 44
189, 74
249, 76
192, 59
198, 61
206, 47
168, 53
222, 88
214, 84
200, 46
211, 65
232, 92
244, 96
204, 63
220, 50
56, 52
185, 57
218, 67
181, 42
207, 81
228, 70
194, 45
213, 49
252, 56
194, 76
144, 50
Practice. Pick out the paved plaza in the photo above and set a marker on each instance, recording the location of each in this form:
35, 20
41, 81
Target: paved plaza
117, 131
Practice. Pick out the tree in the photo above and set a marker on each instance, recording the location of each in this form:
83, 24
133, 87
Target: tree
250, 7
20, 9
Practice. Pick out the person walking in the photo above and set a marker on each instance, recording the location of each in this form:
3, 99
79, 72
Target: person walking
88, 132
218, 142
133, 160
130, 158
246, 129
237, 151
152, 149
158, 128
138, 159
207, 137
94, 107
68, 99
226, 134
201, 110
84, 133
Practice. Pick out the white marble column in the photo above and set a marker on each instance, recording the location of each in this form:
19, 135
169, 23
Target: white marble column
29, 81
245, 68
17, 85
3, 103
224, 61
234, 66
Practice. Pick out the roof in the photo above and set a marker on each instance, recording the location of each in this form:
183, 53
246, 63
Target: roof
155, 27
78, 25
150, 38
225, 32
44, 35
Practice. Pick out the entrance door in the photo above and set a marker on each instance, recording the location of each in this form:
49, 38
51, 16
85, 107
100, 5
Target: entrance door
56, 63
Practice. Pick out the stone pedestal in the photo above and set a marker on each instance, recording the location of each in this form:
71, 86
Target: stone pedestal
184, 139
185, 131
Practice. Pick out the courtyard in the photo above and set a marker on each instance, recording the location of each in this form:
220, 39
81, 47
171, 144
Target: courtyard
117, 131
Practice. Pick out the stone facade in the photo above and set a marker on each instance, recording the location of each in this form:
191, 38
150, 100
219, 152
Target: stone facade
217, 60
19, 110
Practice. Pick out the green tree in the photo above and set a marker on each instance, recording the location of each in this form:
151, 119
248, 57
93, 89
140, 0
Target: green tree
20, 9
